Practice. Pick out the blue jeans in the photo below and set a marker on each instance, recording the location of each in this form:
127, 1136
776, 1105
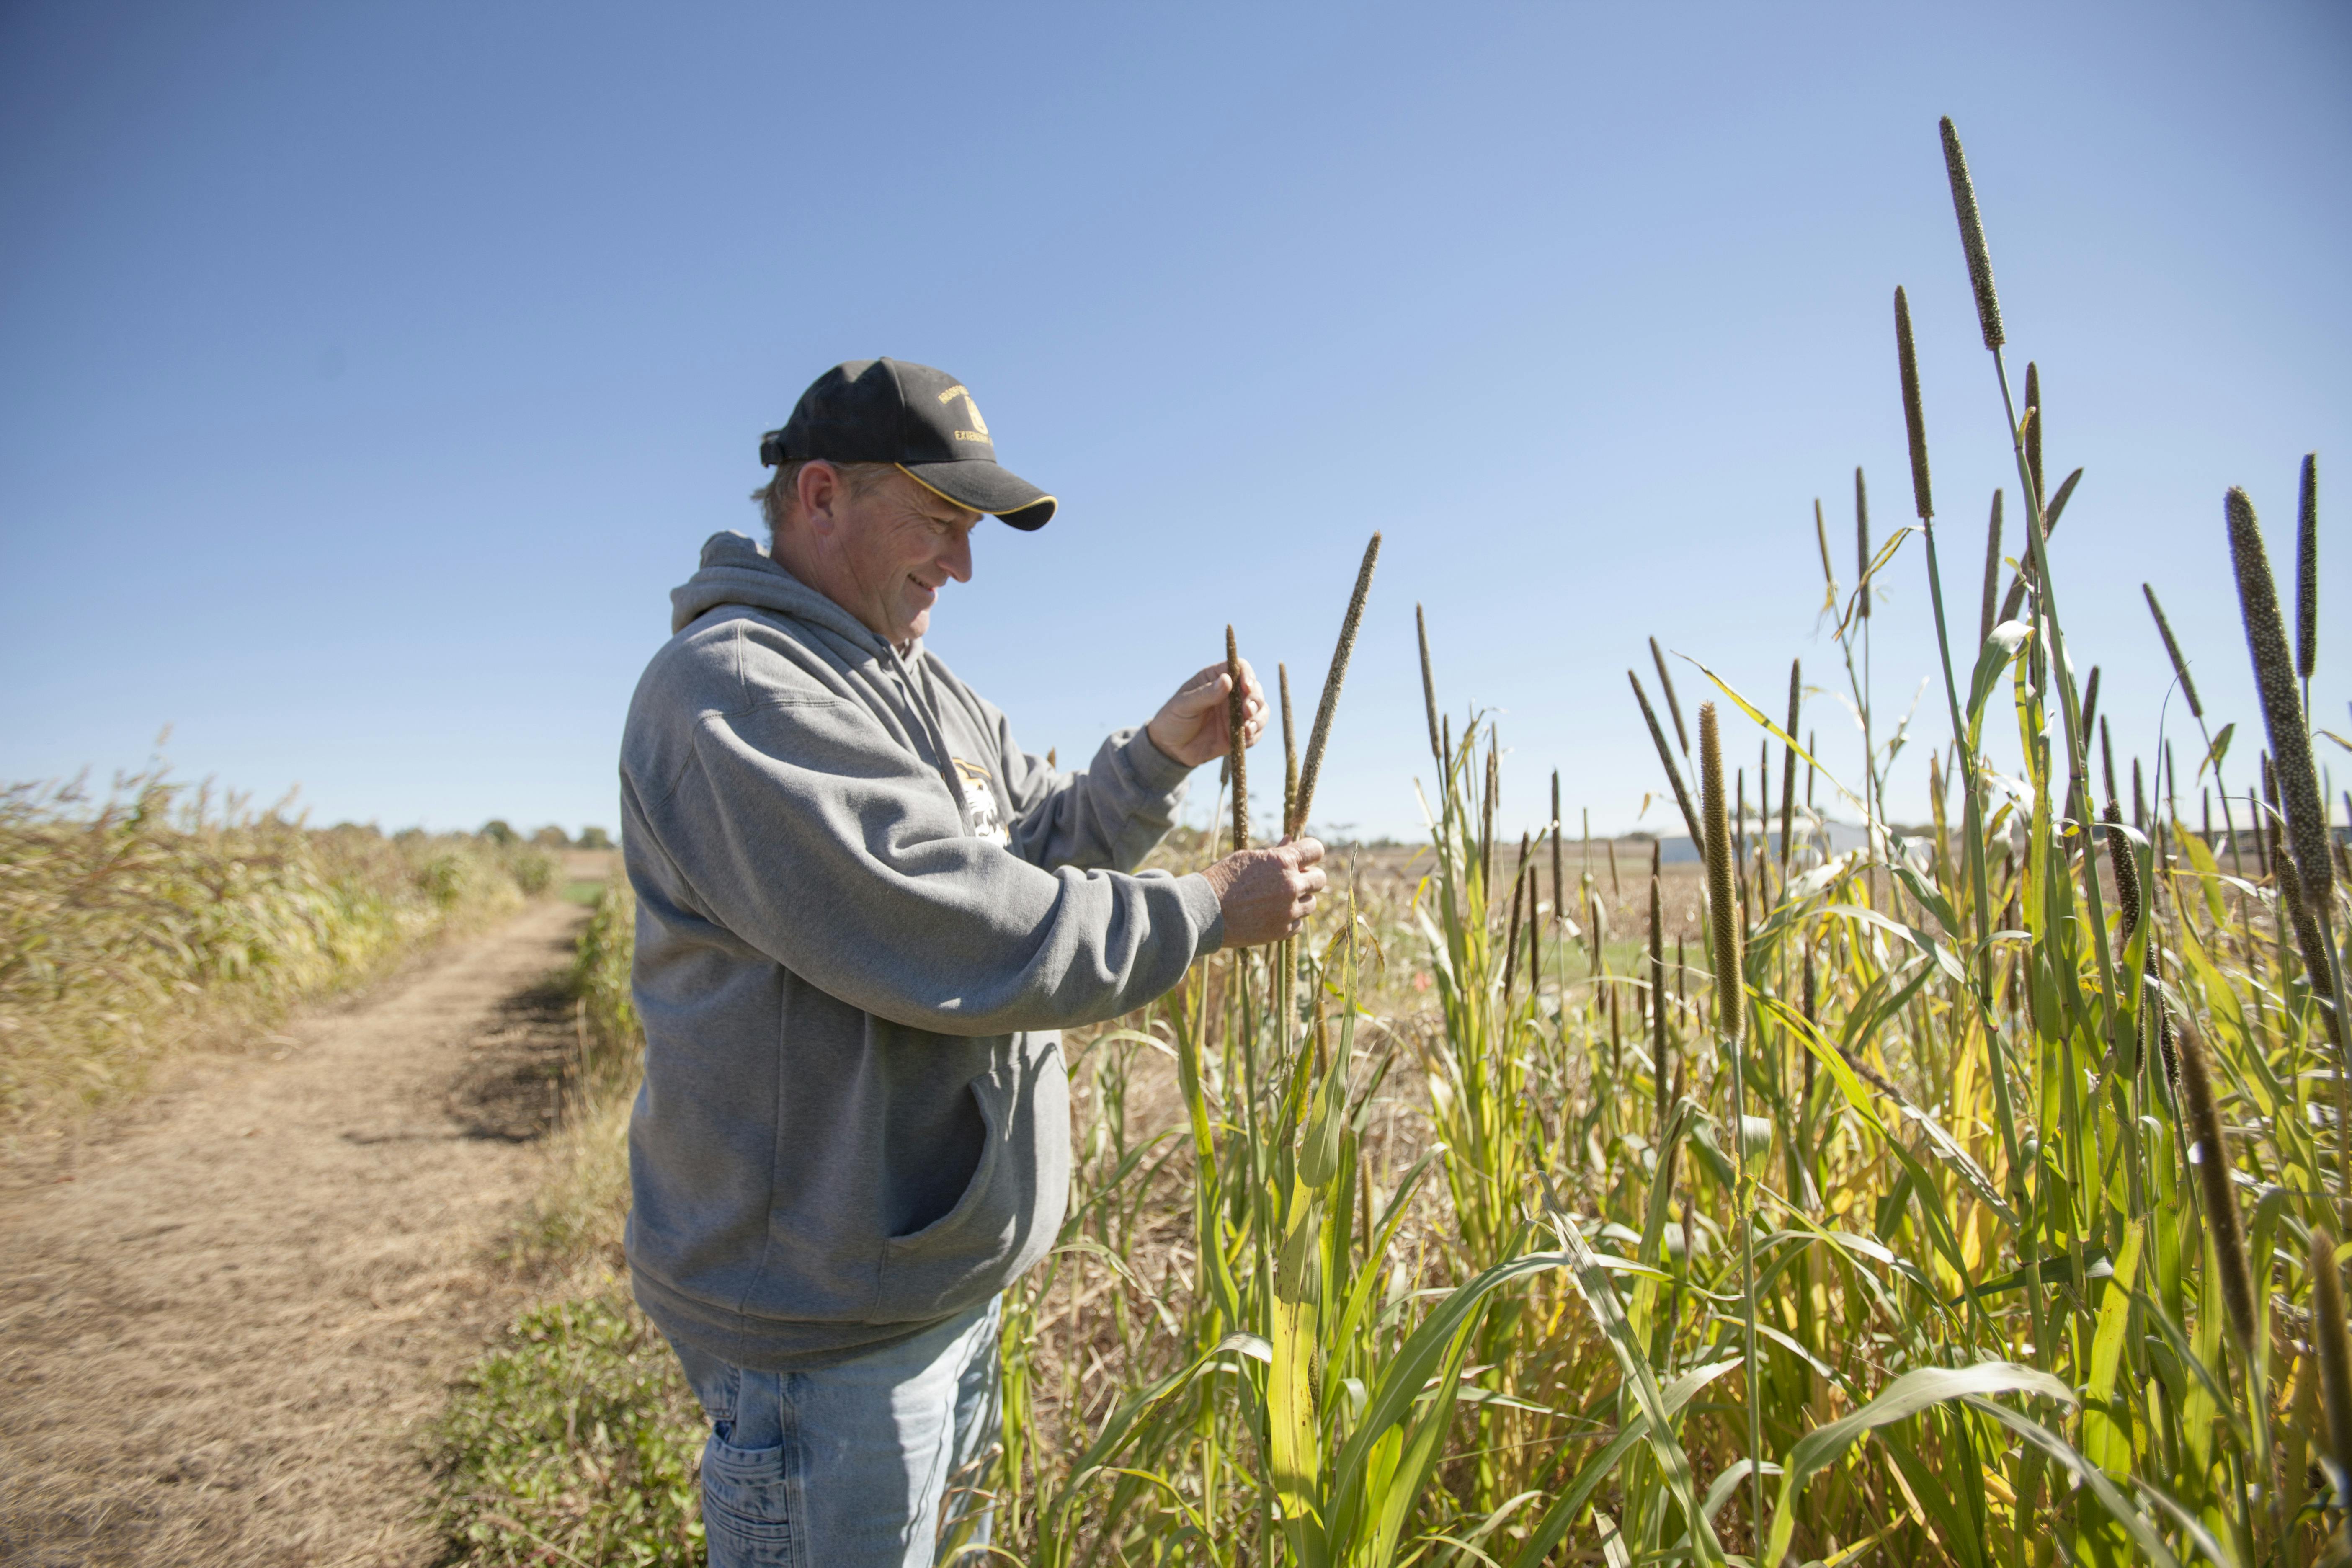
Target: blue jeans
848, 1466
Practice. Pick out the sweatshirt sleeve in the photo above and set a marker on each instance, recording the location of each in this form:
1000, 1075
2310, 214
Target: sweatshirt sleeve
806, 831
1111, 814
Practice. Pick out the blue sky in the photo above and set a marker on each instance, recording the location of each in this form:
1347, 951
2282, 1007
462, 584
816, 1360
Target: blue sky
368, 375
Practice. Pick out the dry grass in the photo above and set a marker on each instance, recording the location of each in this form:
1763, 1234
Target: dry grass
160, 917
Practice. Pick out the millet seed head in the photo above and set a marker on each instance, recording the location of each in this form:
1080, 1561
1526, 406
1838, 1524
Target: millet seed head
1290, 753
2282, 717
1972, 240
1329, 705
1429, 694
2033, 427
2306, 569
1674, 703
2126, 866
2172, 650
1666, 760
1862, 545
1722, 895
1915, 423
2215, 1186
1236, 715
1992, 573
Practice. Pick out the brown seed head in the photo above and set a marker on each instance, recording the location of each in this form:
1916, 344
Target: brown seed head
1559, 887
1915, 423
2172, 650
1486, 813
1236, 711
1429, 694
1329, 705
1674, 703
1560, 906
2057, 507
1972, 240
2283, 718
1289, 754
1666, 760
2167, 1040
1992, 573
2211, 1149
1722, 896
2306, 569
2126, 866
1861, 546
1519, 899
2033, 427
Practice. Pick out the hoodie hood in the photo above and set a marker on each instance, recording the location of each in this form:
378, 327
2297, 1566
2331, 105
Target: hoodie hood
736, 571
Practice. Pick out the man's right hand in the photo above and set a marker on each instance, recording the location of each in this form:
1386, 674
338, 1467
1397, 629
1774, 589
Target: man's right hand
1268, 894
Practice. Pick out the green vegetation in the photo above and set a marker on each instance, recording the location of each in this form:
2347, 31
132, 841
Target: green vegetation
1983, 1214
576, 1441
162, 917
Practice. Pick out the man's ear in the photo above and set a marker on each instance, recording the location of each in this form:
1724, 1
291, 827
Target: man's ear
818, 489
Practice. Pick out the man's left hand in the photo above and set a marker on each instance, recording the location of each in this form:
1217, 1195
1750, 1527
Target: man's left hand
1194, 726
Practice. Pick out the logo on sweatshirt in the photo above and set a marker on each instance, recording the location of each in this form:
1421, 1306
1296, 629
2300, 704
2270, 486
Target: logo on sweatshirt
980, 803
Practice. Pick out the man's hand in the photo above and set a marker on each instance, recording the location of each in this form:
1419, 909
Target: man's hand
1192, 728
1268, 894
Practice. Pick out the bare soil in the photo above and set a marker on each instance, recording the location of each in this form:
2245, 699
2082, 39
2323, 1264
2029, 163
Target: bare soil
226, 1319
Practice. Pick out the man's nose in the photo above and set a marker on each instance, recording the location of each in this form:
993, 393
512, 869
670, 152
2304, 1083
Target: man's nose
957, 558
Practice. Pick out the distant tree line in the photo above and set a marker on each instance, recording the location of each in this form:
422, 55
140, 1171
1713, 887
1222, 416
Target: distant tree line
497, 830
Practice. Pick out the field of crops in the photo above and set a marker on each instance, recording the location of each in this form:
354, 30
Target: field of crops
162, 916
1971, 1196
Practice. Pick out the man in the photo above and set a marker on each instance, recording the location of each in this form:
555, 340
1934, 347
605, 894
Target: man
863, 915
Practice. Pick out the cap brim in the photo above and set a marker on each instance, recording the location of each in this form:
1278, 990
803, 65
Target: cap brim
984, 486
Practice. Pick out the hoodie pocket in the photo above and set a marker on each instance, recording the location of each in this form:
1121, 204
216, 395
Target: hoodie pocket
1007, 1213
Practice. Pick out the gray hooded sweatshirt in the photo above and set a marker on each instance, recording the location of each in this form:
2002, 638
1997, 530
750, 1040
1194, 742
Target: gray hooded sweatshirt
863, 914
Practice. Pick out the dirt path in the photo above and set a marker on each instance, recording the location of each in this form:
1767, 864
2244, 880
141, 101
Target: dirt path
221, 1330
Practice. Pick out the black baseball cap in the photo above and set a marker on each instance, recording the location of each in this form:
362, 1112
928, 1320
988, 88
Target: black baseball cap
888, 411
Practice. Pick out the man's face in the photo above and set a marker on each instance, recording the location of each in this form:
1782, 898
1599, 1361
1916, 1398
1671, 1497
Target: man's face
892, 547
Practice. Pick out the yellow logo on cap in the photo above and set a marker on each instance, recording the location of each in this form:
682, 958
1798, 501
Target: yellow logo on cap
978, 432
